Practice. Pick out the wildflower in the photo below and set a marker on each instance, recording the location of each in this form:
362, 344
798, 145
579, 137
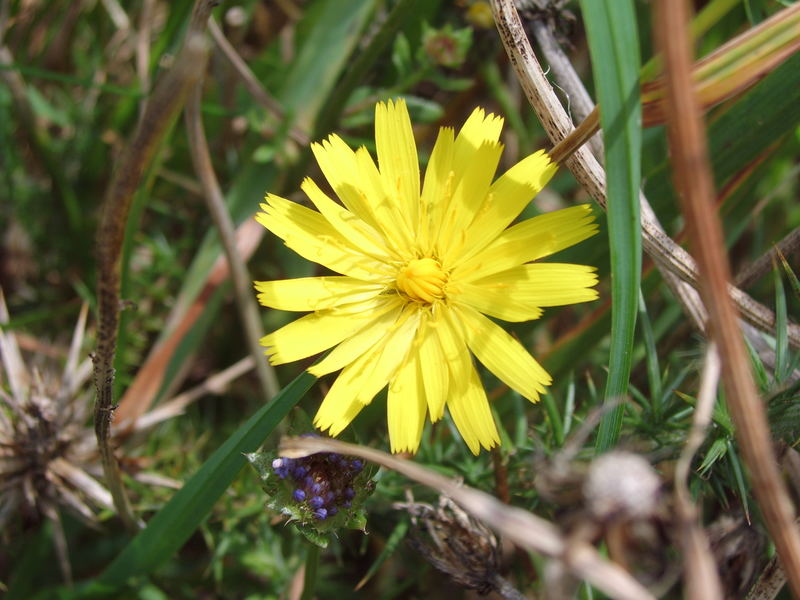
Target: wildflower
320, 494
420, 271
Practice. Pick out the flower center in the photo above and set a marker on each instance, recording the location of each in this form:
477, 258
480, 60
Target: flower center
422, 280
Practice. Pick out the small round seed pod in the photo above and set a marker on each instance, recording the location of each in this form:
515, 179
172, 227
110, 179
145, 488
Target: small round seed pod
621, 485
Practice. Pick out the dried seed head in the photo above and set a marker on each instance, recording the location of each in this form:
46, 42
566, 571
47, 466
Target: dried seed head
47, 451
621, 485
456, 544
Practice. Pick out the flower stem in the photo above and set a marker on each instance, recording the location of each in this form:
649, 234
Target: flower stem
310, 579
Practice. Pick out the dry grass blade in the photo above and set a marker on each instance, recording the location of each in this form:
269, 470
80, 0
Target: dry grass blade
668, 255
177, 405
733, 67
150, 377
12, 359
163, 106
693, 180
245, 300
702, 579
522, 527
252, 84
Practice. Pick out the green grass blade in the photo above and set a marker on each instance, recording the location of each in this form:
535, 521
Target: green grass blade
781, 329
614, 46
182, 515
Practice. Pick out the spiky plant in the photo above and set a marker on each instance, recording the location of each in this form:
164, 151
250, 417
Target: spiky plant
48, 453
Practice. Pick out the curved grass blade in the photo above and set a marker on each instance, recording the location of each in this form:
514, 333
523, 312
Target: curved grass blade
614, 47
182, 515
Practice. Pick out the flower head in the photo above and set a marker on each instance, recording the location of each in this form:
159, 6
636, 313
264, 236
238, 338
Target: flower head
420, 268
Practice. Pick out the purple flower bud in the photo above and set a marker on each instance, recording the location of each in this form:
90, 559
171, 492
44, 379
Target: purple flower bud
316, 488
357, 465
277, 463
299, 472
332, 511
316, 502
349, 493
308, 481
299, 495
320, 513
282, 472
329, 496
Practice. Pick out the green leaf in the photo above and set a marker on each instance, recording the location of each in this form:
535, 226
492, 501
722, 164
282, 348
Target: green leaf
182, 515
781, 329
614, 46
715, 452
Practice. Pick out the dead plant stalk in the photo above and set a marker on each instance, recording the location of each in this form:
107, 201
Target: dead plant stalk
693, 180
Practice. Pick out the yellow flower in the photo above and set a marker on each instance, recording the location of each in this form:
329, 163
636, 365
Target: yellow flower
419, 271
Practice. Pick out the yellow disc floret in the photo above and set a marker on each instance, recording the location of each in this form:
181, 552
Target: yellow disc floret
422, 280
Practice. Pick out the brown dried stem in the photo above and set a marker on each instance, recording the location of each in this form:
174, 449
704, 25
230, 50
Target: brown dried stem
520, 526
165, 103
702, 579
763, 264
667, 255
252, 84
693, 180
245, 299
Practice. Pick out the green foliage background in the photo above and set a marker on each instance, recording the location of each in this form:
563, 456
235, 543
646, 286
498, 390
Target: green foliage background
326, 62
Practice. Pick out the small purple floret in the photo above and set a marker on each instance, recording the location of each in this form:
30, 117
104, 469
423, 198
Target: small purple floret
349, 493
320, 513
299, 495
316, 502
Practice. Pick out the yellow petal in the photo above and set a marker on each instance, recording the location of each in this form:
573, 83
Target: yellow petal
386, 207
468, 197
318, 331
339, 407
478, 129
393, 351
542, 284
397, 156
338, 163
360, 342
469, 408
350, 227
507, 197
405, 408
435, 372
496, 303
531, 240
438, 187
503, 355
314, 293
310, 235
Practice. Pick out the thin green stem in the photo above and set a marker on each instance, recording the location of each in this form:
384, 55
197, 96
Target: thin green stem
312, 568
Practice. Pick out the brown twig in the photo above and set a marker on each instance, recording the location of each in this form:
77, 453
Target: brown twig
584, 166
166, 101
252, 84
694, 182
245, 299
520, 526
763, 264
586, 111
214, 384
